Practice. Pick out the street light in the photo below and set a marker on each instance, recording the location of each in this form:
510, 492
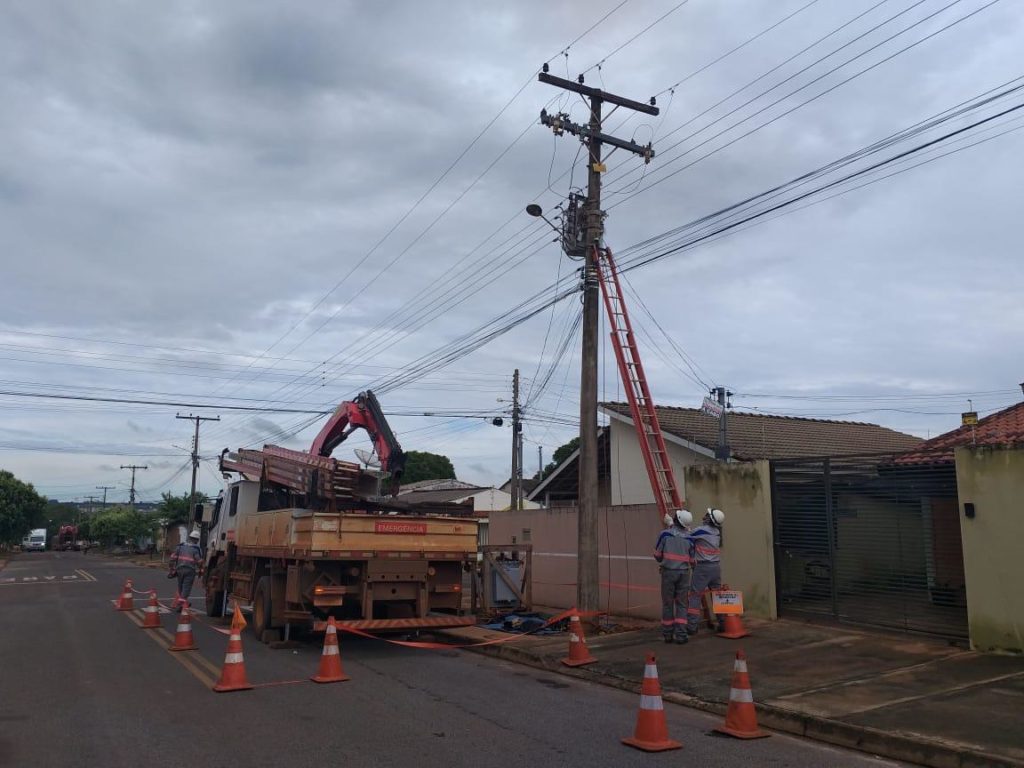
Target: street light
538, 213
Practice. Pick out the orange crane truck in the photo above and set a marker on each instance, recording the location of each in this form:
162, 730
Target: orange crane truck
301, 537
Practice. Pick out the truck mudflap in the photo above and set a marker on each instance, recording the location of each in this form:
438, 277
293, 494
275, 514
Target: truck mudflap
400, 625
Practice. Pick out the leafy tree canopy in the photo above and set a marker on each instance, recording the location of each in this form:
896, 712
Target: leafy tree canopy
118, 524
561, 453
423, 465
177, 509
21, 508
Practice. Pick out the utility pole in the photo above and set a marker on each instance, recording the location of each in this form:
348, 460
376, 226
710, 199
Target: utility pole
517, 446
104, 488
195, 456
540, 462
131, 493
722, 451
587, 574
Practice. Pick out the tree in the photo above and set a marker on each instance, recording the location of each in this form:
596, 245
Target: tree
561, 453
177, 509
117, 524
423, 465
21, 508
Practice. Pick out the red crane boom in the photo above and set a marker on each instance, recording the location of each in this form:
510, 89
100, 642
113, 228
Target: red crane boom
641, 406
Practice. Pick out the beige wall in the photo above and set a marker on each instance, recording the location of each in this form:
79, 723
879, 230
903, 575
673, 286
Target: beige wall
743, 491
993, 480
626, 536
628, 573
629, 481
494, 499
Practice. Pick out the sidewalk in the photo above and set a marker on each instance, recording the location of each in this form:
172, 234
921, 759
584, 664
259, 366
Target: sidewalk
898, 696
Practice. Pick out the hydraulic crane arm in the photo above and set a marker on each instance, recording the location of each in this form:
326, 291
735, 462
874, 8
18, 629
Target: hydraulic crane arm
362, 413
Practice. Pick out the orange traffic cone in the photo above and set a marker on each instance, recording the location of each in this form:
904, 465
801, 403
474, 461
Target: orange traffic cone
732, 627
579, 654
651, 734
124, 602
183, 639
741, 717
330, 660
232, 675
151, 613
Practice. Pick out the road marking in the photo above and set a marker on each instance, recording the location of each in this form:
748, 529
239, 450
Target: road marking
163, 638
85, 574
11, 581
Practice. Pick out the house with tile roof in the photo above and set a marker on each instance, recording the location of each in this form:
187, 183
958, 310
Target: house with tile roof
691, 436
1003, 429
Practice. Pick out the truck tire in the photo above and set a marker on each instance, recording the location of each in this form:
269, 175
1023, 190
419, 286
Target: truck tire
214, 603
261, 609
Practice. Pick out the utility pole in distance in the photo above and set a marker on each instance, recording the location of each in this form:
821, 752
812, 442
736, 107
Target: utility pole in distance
195, 457
104, 488
517, 446
131, 493
722, 450
587, 573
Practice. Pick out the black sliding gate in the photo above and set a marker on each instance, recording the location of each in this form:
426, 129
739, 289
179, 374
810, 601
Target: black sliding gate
870, 540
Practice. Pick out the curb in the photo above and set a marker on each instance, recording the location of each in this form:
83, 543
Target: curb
932, 753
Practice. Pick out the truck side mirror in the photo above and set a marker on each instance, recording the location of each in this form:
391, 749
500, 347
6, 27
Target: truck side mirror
202, 513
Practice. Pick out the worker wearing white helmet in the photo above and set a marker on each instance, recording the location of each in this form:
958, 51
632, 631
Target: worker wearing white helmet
672, 551
186, 562
706, 551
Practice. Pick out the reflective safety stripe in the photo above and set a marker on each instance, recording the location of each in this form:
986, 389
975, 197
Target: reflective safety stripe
740, 666
235, 636
233, 658
693, 611
650, 670
573, 637
651, 702
151, 609
741, 694
330, 650
677, 558
184, 628
666, 622
680, 620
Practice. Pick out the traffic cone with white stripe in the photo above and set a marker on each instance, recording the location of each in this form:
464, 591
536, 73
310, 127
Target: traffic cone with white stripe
124, 602
741, 717
651, 734
579, 654
330, 660
151, 613
183, 639
732, 627
232, 674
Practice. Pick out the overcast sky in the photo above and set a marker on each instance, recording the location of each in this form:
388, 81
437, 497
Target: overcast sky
207, 202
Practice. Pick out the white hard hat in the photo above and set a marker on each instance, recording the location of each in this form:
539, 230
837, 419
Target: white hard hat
194, 535
683, 516
715, 516
668, 518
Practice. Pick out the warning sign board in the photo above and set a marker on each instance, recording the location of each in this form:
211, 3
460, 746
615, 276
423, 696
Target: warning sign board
727, 601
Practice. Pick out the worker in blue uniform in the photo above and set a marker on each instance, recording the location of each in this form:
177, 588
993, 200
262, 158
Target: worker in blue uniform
706, 550
672, 552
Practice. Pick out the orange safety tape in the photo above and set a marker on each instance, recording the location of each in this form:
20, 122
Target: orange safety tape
612, 584
446, 646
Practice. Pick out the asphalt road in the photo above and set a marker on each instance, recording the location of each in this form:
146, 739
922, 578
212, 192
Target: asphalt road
82, 685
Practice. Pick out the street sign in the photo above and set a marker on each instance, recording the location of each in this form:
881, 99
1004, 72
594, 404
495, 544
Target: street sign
727, 601
712, 408
969, 418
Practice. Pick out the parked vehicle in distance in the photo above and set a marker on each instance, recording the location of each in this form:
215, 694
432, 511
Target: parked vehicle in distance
35, 541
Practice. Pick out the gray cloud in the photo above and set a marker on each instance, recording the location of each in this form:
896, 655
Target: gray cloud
193, 178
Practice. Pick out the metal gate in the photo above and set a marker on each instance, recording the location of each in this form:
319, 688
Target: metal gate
870, 540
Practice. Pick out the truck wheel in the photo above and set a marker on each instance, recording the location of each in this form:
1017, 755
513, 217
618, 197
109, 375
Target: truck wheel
214, 603
261, 615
